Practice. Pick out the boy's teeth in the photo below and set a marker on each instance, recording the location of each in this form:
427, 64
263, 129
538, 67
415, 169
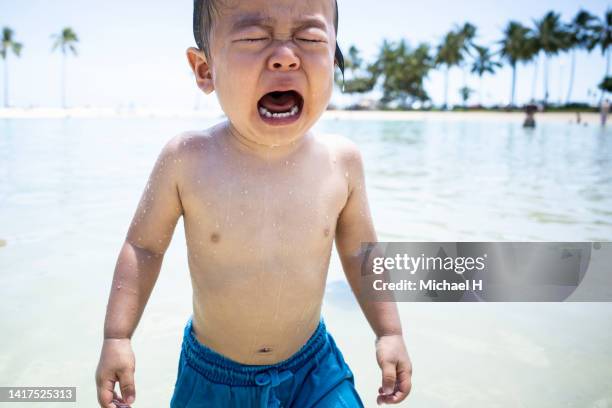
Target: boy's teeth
292, 112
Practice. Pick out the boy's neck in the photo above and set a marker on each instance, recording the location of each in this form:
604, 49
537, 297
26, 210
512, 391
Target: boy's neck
261, 150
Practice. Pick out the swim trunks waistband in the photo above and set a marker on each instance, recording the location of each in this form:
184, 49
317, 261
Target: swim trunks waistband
218, 368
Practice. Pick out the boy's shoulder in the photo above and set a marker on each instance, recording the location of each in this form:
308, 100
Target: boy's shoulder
340, 146
186, 142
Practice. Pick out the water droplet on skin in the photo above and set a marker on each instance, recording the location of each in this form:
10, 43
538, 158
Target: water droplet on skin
198, 181
346, 174
118, 287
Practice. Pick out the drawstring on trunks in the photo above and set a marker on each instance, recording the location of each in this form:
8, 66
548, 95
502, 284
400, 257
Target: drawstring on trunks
267, 380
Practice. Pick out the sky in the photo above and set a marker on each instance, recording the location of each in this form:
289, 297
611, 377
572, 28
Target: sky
132, 53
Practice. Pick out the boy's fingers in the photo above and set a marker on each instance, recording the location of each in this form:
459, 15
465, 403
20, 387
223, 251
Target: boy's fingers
389, 399
106, 393
126, 384
388, 377
404, 379
403, 385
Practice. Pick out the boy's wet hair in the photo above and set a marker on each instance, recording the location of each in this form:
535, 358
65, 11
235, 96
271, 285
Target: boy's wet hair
205, 10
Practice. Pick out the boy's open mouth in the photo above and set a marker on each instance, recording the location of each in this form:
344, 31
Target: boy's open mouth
280, 107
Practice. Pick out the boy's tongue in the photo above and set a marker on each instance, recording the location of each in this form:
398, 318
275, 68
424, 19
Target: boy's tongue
279, 101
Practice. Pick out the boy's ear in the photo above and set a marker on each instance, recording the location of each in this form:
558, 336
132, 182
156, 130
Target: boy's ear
201, 69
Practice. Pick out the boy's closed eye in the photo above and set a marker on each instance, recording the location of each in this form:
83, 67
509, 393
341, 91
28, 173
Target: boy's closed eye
267, 38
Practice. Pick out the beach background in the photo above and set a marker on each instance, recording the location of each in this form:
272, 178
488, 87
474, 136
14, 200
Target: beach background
70, 186
72, 170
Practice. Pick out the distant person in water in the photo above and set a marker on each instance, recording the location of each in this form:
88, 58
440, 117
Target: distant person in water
605, 110
530, 111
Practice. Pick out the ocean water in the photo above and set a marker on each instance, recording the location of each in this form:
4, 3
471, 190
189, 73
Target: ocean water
69, 187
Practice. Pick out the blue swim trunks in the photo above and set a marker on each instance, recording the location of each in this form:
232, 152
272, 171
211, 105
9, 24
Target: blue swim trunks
315, 376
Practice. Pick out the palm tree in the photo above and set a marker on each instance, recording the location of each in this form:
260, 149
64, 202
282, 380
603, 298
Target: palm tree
354, 60
483, 63
66, 41
403, 70
602, 37
551, 37
450, 54
359, 81
465, 93
8, 44
516, 46
468, 34
606, 85
580, 36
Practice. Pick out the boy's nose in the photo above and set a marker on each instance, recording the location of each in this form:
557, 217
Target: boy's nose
283, 59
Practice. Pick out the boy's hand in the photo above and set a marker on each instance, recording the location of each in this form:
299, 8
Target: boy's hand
117, 363
393, 359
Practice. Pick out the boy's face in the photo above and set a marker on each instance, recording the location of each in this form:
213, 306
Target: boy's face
291, 47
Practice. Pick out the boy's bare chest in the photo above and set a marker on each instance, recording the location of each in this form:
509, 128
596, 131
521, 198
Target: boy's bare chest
263, 210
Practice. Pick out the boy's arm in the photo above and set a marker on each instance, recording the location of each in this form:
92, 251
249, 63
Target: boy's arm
354, 227
136, 272
148, 237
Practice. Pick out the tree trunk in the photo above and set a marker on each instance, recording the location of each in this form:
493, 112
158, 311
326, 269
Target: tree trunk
6, 82
534, 81
480, 92
513, 85
64, 81
545, 80
446, 88
607, 73
571, 78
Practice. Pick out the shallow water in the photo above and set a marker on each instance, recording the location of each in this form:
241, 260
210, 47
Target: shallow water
68, 190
